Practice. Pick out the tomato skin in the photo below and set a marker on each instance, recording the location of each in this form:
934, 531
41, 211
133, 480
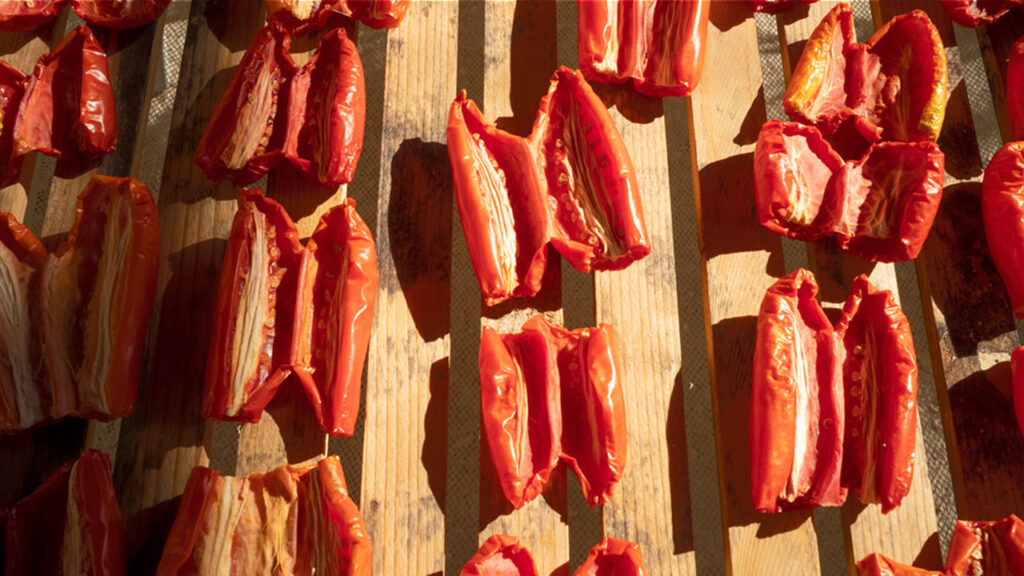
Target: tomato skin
20, 15
12, 89
878, 565
76, 132
38, 524
501, 554
335, 70
986, 548
659, 46
113, 13
613, 557
235, 125
972, 13
282, 12
375, 13
1002, 210
775, 6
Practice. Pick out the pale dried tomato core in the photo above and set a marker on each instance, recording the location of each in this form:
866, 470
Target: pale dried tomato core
862, 412
18, 389
76, 554
806, 386
493, 183
300, 9
806, 179
256, 117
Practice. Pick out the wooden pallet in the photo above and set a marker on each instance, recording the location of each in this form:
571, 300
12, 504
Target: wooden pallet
684, 317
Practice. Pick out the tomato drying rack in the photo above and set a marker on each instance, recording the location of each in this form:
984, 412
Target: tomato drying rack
685, 316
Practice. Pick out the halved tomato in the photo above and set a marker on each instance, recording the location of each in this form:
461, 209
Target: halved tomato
16, 15
119, 14
12, 88
501, 554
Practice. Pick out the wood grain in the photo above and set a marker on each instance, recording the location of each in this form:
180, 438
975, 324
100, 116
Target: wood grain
404, 467
741, 260
909, 533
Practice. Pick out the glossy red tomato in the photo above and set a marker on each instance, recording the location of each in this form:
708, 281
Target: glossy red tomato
18, 15
119, 14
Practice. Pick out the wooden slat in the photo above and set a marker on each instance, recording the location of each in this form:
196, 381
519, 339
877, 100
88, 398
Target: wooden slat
167, 437
520, 49
910, 531
971, 327
741, 259
404, 466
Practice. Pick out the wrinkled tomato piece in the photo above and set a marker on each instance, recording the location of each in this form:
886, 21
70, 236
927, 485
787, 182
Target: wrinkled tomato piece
336, 296
613, 557
880, 371
796, 403
119, 14
521, 406
893, 86
501, 204
597, 219
300, 16
23, 399
16, 15
328, 109
1002, 209
1015, 90
775, 6
501, 555
793, 166
71, 524
878, 565
374, 13
97, 297
246, 135
659, 45
971, 13
890, 200
251, 340
68, 107
12, 88
989, 548
300, 517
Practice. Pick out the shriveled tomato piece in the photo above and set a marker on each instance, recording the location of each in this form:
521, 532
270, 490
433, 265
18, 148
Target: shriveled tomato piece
24, 399
300, 16
880, 369
501, 204
1002, 209
793, 166
521, 407
97, 297
776, 6
613, 557
18, 15
593, 194
891, 197
328, 109
247, 132
878, 565
119, 14
796, 402
375, 13
68, 107
71, 524
893, 87
251, 343
12, 88
336, 296
501, 555
989, 548
300, 517
971, 13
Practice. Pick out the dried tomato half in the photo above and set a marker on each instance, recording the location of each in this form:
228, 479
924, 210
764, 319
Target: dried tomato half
1015, 90
659, 45
18, 15
97, 297
971, 13
1017, 371
71, 524
336, 296
499, 192
23, 402
68, 107
613, 557
893, 86
775, 6
251, 341
880, 371
796, 403
375, 13
247, 132
12, 88
119, 14
880, 207
878, 565
989, 548
328, 109
522, 411
300, 16
597, 219
1002, 209
501, 555
299, 519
